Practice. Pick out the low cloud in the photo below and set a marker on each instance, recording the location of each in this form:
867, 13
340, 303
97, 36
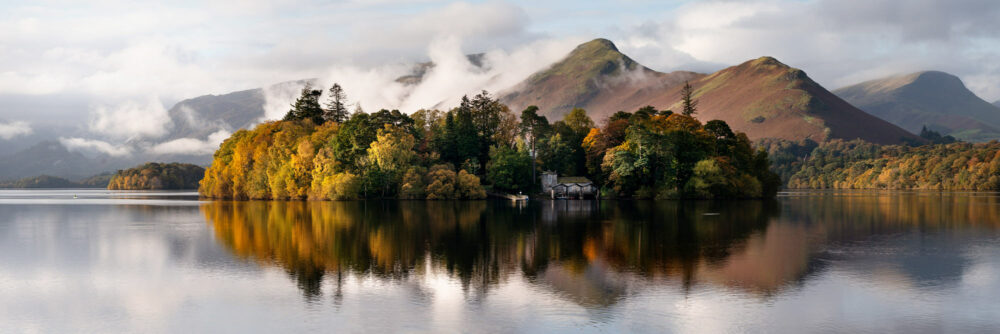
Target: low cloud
278, 98
13, 129
441, 87
192, 146
83, 144
131, 119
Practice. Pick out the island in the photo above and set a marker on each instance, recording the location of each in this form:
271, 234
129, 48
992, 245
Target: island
481, 146
157, 176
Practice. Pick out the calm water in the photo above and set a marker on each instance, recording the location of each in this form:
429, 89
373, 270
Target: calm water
811, 261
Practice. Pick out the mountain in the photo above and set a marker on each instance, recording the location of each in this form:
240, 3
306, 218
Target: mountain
763, 97
768, 99
50, 158
596, 77
48, 181
203, 115
937, 100
996, 103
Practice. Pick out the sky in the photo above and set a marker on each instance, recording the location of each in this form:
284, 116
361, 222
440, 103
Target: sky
108, 70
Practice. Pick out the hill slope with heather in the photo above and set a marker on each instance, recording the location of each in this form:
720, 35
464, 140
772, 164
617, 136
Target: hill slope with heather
763, 97
594, 76
937, 100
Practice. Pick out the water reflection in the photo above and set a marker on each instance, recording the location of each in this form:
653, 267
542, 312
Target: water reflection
592, 252
839, 261
587, 251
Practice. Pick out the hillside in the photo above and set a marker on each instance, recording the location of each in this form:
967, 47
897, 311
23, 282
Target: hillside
201, 116
596, 77
858, 165
937, 100
763, 97
768, 99
41, 181
996, 103
51, 158
49, 182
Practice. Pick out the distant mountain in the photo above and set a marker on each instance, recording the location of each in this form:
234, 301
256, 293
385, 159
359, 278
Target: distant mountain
201, 116
937, 100
48, 181
763, 98
996, 103
51, 158
204, 115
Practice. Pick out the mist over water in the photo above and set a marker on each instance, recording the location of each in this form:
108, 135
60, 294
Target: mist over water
837, 261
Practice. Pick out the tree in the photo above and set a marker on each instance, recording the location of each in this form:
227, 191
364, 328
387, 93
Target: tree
336, 105
487, 116
571, 130
412, 186
556, 154
468, 186
306, 106
466, 136
353, 139
578, 121
533, 128
441, 182
392, 152
690, 105
508, 169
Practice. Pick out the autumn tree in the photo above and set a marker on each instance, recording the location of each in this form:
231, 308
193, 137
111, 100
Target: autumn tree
392, 152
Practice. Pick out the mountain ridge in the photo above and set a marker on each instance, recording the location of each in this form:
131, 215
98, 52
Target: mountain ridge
762, 97
938, 100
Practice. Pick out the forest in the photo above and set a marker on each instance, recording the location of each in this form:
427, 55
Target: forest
325, 152
51, 182
157, 176
839, 164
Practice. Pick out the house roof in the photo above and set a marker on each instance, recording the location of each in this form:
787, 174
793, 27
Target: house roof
572, 179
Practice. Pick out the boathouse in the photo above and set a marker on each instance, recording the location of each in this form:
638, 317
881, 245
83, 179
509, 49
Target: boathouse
567, 186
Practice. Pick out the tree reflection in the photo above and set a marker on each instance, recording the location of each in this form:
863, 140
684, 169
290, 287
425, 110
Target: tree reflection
589, 252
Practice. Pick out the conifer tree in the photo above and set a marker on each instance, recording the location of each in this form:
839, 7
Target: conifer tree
306, 106
336, 105
690, 104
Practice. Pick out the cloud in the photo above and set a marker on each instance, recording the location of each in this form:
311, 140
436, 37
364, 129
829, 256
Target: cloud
83, 144
278, 98
13, 129
192, 146
114, 51
441, 87
131, 119
836, 42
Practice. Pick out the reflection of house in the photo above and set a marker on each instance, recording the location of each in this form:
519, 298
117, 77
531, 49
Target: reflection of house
567, 186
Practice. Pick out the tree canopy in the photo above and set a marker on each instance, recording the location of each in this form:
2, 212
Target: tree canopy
157, 176
323, 154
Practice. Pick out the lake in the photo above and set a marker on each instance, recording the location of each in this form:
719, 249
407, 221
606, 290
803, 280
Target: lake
100, 261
